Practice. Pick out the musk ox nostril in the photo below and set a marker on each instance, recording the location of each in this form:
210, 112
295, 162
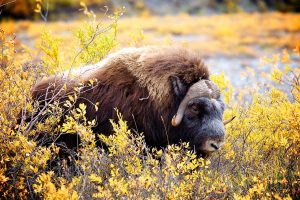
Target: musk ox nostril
214, 146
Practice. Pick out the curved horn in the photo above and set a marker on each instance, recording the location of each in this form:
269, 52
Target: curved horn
228, 121
202, 88
216, 94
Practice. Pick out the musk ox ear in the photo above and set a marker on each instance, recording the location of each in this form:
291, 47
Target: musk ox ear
179, 87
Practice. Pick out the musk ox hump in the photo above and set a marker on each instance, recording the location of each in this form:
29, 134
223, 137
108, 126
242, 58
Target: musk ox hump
157, 64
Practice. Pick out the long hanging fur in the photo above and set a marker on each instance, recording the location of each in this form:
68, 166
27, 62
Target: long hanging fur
137, 82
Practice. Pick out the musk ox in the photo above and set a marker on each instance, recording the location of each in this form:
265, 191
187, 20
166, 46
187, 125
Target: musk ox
163, 92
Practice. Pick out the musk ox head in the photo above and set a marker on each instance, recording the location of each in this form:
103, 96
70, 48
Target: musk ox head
199, 117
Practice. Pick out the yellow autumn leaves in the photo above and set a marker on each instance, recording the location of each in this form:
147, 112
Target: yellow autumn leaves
258, 161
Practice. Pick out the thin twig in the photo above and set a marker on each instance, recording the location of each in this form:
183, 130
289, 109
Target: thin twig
1, 5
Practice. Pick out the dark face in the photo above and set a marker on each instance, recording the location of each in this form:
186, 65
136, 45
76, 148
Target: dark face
202, 125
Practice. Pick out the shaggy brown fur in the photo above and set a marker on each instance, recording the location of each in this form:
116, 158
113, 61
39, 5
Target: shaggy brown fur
137, 82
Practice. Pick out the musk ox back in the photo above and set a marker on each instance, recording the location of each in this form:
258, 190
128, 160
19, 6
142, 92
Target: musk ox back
163, 92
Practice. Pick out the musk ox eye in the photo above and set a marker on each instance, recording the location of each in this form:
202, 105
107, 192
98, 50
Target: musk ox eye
194, 109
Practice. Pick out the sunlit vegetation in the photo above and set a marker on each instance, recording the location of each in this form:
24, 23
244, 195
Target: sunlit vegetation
260, 159
231, 35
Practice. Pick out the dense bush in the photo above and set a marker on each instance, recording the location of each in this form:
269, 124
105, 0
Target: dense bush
260, 159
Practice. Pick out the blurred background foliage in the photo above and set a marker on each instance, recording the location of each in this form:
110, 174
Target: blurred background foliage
58, 8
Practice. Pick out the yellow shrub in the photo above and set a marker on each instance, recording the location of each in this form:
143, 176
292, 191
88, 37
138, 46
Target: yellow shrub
260, 159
